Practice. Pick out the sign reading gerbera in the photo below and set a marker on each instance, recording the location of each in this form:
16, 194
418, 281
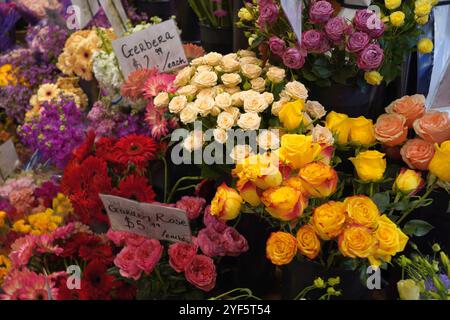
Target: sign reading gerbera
157, 46
146, 219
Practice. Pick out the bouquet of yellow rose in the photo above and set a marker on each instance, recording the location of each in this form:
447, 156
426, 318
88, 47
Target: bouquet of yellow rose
322, 212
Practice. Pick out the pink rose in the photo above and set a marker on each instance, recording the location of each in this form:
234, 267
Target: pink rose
277, 45
211, 243
368, 21
336, 28
126, 262
180, 255
148, 254
117, 237
213, 222
192, 205
417, 153
315, 41
293, 58
234, 242
357, 41
201, 272
320, 12
370, 57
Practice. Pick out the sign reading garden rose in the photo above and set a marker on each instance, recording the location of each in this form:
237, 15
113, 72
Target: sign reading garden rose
148, 220
157, 46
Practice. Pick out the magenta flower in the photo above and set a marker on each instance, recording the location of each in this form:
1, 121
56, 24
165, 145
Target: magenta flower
315, 41
192, 205
268, 13
370, 57
277, 45
292, 58
336, 28
220, 13
320, 12
357, 41
368, 21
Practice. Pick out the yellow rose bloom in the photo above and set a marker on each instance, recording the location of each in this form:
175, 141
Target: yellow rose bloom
408, 182
226, 203
318, 179
298, 150
422, 7
296, 183
356, 242
339, 124
362, 131
362, 211
284, 203
373, 78
390, 241
281, 248
422, 20
329, 219
248, 192
425, 46
245, 15
408, 290
370, 165
259, 169
308, 242
440, 164
392, 4
291, 115
397, 18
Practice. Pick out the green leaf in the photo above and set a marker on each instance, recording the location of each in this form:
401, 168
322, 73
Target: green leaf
308, 75
382, 200
417, 228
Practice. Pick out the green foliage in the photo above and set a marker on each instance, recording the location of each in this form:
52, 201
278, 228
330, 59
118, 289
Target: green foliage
417, 228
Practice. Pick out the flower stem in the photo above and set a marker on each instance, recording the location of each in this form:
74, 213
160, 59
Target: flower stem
175, 187
421, 199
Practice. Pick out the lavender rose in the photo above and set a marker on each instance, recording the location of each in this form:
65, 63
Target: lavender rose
368, 21
357, 41
234, 242
370, 57
292, 58
320, 12
312, 39
268, 12
277, 45
335, 28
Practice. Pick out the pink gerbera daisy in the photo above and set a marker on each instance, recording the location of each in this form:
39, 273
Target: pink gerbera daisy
157, 83
158, 124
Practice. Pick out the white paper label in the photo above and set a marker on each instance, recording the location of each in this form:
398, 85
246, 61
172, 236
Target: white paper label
148, 220
85, 10
116, 15
293, 11
157, 46
8, 159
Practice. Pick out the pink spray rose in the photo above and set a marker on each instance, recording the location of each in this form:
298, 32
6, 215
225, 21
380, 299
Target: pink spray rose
315, 41
126, 262
336, 28
192, 205
234, 242
357, 41
180, 255
148, 254
277, 45
320, 12
370, 57
293, 58
368, 21
201, 272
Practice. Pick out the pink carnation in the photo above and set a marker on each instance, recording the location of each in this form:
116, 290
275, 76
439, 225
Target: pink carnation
192, 205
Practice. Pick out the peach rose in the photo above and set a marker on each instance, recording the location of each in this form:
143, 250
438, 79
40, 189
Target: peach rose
417, 153
391, 129
411, 107
434, 127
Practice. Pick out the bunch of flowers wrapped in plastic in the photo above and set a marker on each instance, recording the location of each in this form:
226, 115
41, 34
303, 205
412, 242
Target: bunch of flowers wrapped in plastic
337, 48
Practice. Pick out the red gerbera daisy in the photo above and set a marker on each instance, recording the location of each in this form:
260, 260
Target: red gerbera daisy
136, 149
104, 148
132, 88
97, 281
136, 188
86, 148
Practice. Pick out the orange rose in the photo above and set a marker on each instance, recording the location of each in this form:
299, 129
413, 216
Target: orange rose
308, 242
284, 203
433, 127
411, 107
357, 242
319, 179
329, 219
417, 153
281, 248
391, 129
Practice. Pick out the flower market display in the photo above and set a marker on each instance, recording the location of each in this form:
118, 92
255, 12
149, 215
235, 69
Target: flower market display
302, 163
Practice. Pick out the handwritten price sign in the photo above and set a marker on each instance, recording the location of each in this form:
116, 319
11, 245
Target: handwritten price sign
147, 220
157, 46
